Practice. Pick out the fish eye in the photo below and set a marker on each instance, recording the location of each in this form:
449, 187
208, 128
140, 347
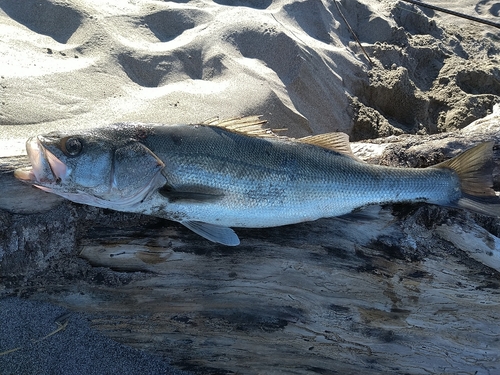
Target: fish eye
71, 146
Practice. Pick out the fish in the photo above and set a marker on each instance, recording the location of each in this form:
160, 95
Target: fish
218, 175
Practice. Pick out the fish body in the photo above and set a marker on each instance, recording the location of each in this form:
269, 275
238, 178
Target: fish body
255, 182
211, 178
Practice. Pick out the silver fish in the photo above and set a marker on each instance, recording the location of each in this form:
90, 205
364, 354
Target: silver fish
213, 176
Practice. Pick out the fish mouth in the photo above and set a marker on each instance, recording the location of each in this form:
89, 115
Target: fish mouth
46, 169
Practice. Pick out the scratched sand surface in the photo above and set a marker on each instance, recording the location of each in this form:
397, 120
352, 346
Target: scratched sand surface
74, 64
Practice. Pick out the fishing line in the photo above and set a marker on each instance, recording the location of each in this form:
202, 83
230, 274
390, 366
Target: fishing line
352, 32
419, 3
453, 13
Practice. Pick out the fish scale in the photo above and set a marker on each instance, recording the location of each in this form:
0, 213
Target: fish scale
211, 177
296, 180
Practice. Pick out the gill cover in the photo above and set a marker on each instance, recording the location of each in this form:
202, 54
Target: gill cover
134, 165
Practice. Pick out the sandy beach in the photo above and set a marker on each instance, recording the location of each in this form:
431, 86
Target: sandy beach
74, 64
86, 64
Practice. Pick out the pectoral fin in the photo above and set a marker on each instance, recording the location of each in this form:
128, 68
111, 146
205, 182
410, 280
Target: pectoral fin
214, 233
190, 193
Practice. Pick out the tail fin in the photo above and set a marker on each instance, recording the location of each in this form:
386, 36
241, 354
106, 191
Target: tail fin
474, 168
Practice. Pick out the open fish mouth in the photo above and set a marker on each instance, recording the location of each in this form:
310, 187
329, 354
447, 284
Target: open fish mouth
46, 168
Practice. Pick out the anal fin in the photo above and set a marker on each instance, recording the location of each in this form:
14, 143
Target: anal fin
214, 233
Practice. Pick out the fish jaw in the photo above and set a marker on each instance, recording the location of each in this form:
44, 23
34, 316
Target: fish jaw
46, 169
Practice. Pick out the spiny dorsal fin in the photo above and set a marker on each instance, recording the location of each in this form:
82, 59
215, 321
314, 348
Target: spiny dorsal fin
338, 142
211, 121
250, 125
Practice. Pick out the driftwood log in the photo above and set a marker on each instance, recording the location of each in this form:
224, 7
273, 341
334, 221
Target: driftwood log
415, 290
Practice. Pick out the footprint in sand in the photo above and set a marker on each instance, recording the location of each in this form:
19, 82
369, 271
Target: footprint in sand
257, 4
488, 7
168, 24
150, 69
58, 21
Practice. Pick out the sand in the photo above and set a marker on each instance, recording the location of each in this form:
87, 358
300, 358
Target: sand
76, 64
75, 350
72, 64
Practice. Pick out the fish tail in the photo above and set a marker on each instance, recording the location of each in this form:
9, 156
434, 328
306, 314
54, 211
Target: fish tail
474, 169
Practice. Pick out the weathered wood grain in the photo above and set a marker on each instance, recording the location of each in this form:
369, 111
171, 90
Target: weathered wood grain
314, 298
414, 290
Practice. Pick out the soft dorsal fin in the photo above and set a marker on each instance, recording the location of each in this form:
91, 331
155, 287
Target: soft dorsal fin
250, 125
338, 142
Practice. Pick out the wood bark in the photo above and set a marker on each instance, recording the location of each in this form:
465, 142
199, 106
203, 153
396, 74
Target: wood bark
414, 290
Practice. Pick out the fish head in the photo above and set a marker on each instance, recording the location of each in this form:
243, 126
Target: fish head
107, 168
